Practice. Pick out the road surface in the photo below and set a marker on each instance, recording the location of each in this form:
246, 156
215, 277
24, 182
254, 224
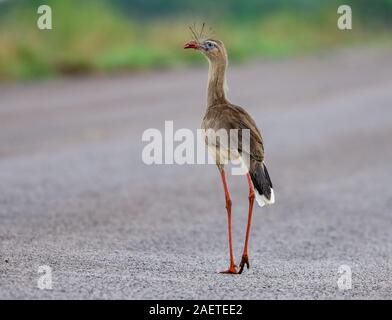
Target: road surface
76, 196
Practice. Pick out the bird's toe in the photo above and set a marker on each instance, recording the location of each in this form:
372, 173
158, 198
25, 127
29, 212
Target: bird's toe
232, 270
244, 261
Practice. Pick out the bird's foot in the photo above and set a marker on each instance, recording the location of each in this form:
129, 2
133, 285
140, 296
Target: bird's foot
232, 270
244, 261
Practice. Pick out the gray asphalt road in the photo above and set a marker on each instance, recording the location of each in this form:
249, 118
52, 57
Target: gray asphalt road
75, 195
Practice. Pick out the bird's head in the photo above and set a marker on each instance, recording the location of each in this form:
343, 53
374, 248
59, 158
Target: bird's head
213, 49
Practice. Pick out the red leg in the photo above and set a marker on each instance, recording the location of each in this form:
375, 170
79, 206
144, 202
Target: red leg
245, 259
232, 267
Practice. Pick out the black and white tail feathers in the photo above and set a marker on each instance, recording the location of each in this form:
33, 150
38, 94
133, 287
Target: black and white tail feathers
263, 185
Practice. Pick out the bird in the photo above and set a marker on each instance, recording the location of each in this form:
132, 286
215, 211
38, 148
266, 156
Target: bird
220, 115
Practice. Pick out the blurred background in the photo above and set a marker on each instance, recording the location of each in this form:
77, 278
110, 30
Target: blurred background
104, 36
76, 196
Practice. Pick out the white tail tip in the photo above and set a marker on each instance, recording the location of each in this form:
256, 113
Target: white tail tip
262, 200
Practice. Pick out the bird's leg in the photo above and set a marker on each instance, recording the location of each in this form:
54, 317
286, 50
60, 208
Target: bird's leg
245, 259
232, 267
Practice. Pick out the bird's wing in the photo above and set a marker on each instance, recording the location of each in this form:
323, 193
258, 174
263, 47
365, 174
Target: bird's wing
227, 117
238, 118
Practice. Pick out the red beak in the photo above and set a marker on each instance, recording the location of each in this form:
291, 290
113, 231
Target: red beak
191, 45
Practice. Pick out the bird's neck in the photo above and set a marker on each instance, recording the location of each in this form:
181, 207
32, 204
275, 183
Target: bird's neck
216, 88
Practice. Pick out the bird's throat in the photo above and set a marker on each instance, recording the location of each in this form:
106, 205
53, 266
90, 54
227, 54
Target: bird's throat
216, 88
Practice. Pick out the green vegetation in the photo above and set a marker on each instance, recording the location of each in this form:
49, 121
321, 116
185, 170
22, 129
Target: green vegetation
93, 36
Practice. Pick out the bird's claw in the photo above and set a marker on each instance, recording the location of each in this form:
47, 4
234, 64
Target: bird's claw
244, 261
232, 270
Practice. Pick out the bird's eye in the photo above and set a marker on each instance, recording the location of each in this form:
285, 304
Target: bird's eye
209, 45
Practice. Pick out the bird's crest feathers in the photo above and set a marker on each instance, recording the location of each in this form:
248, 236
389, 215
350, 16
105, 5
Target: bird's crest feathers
198, 36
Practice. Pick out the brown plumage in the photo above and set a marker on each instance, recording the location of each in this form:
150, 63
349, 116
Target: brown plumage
223, 115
